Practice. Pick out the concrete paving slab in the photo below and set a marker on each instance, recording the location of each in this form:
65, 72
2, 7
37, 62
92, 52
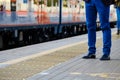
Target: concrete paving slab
81, 69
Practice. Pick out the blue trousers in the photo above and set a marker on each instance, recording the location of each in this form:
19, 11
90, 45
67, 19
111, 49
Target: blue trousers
118, 17
92, 8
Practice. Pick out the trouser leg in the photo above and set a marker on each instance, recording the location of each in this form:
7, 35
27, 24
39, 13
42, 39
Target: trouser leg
106, 41
91, 15
118, 18
103, 12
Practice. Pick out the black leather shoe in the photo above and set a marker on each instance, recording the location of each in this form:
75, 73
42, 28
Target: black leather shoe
105, 57
89, 56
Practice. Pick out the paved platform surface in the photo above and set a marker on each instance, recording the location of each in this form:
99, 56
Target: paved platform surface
81, 69
60, 60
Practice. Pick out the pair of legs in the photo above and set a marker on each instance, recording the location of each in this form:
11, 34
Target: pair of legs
118, 20
92, 8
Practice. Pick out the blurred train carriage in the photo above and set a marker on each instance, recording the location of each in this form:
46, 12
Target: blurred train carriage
24, 22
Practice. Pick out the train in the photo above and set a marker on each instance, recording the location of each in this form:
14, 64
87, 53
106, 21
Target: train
26, 22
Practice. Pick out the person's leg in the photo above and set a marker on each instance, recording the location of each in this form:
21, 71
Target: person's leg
91, 16
103, 12
118, 20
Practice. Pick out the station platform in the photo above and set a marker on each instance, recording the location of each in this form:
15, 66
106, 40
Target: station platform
60, 60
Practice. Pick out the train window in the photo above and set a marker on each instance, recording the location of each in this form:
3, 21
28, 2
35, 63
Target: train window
13, 6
